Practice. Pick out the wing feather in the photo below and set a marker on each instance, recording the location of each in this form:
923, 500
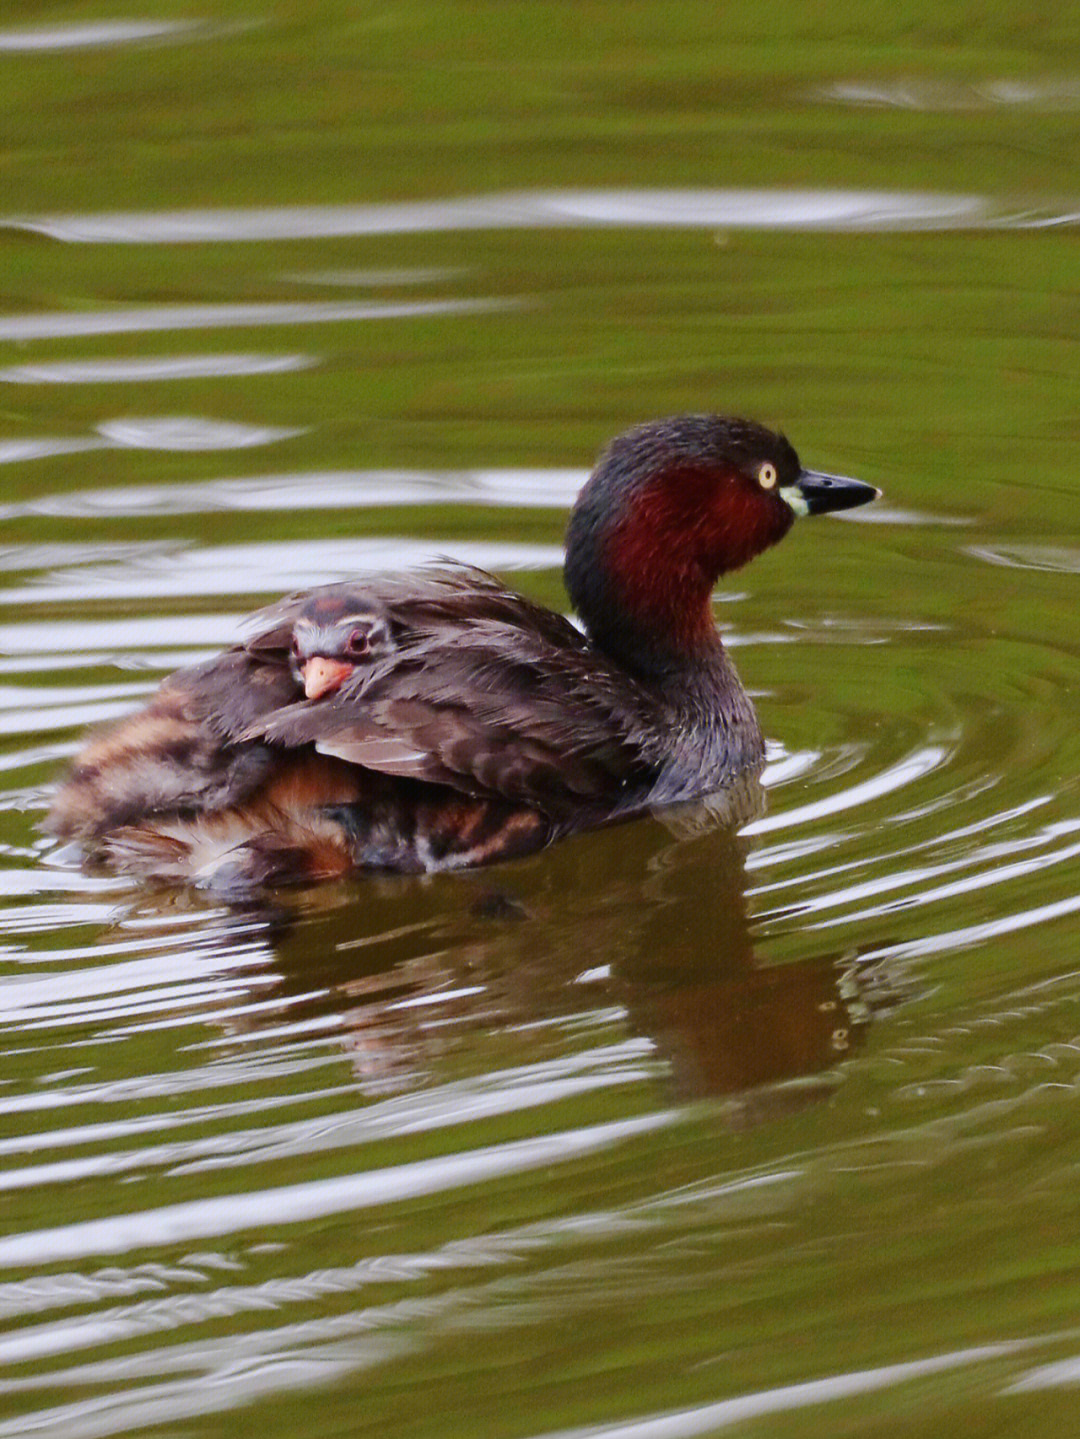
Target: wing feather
481, 691
496, 697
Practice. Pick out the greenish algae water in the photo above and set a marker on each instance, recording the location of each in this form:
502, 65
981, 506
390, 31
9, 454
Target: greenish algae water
669, 1130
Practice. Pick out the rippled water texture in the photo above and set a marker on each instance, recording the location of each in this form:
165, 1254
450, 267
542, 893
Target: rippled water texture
766, 1110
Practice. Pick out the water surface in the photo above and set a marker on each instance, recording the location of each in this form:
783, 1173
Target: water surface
759, 1115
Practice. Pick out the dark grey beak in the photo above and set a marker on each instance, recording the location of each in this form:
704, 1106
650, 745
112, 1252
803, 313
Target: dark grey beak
816, 494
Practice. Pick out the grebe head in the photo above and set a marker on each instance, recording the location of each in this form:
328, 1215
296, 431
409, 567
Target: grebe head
670, 507
333, 635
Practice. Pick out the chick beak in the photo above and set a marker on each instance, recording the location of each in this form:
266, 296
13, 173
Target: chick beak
816, 494
322, 676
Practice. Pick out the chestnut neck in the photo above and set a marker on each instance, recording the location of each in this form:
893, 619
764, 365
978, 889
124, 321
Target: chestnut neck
642, 563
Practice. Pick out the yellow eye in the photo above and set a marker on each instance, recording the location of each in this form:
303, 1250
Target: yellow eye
767, 476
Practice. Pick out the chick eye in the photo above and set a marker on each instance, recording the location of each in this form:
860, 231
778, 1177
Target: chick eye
767, 476
359, 642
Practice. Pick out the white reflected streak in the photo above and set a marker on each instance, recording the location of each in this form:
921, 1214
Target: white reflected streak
918, 874
38, 722
135, 1125
319, 490
188, 998
167, 1085
14, 697
164, 367
49, 918
180, 433
828, 210
306, 1031
58, 326
13, 452
24, 758
21, 1297
980, 826
785, 853
1064, 1374
795, 851
447, 1106
937, 94
272, 1145
66, 636
222, 1387
268, 568
405, 275
1001, 874
887, 514
787, 767
685, 1423
1053, 559
494, 1249
152, 661
24, 998
92, 36
46, 555
974, 934
157, 1316
25, 882
185, 433
922, 762
317, 1199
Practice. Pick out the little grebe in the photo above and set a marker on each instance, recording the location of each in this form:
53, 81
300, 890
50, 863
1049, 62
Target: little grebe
437, 720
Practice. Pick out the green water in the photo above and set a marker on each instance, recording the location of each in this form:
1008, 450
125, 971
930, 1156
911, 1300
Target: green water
671, 1129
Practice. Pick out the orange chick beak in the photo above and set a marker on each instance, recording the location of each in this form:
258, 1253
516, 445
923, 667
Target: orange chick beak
322, 676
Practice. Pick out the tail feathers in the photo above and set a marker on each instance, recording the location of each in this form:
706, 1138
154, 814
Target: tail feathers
140, 850
212, 855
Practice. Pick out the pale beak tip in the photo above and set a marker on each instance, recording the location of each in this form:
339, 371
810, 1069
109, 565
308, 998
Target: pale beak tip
322, 676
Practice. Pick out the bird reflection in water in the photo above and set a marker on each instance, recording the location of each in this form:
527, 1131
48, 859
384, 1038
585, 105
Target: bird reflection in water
642, 926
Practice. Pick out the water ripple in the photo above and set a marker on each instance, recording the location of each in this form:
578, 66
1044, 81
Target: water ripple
161, 432
707, 1418
319, 490
938, 94
163, 367
54, 325
54, 639
448, 1106
189, 432
94, 35
131, 1127
166, 1084
1055, 559
318, 1198
255, 568
381, 279
913, 767
835, 210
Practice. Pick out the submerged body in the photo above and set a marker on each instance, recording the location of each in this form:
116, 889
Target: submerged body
438, 720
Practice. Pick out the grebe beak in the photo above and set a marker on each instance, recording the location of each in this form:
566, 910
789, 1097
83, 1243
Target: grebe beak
323, 676
816, 494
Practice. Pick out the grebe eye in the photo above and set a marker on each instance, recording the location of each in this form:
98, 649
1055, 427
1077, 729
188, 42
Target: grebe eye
359, 642
767, 476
